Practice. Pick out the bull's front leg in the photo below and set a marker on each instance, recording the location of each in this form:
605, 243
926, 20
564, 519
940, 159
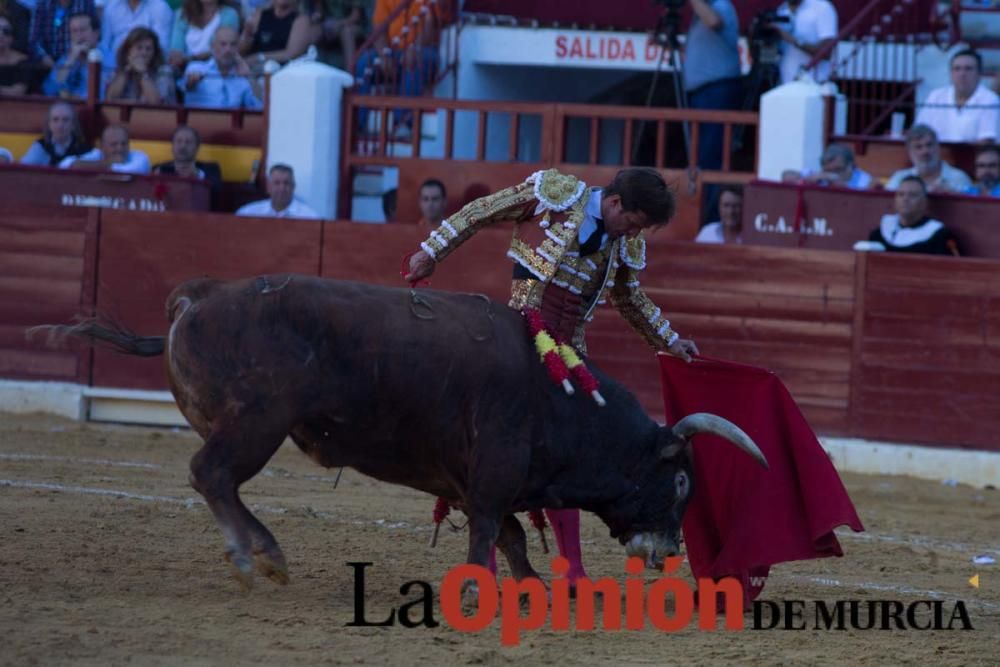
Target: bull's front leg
484, 529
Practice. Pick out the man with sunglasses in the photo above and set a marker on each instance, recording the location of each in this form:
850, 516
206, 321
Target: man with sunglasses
987, 172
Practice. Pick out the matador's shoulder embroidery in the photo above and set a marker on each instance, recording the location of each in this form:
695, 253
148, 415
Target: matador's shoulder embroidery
555, 191
634, 253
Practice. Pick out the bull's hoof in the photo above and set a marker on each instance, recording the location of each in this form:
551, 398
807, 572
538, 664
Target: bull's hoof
241, 568
273, 568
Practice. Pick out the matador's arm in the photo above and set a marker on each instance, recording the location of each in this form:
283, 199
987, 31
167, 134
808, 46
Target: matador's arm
638, 309
515, 203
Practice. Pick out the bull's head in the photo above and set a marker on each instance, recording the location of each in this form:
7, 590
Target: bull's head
658, 505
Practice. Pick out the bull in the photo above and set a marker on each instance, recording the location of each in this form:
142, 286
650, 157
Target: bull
441, 392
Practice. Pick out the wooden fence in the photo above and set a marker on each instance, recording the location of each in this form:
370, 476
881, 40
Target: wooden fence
899, 348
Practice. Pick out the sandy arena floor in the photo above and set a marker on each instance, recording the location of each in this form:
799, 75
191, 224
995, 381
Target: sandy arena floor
109, 557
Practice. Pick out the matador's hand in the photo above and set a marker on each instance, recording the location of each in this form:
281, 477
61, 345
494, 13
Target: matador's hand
421, 266
683, 349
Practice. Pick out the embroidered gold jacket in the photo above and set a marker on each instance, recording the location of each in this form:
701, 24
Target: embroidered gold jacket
548, 209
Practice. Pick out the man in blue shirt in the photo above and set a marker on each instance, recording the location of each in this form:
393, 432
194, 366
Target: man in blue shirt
712, 71
712, 80
69, 76
224, 81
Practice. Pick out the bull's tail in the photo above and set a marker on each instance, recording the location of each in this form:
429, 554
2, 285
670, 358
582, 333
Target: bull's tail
101, 332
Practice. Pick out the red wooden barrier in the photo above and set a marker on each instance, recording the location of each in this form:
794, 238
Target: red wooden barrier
47, 269
144, 256
47, 186
837, 218
890, 347
927, 361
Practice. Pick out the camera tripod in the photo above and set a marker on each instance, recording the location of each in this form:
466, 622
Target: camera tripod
666, 36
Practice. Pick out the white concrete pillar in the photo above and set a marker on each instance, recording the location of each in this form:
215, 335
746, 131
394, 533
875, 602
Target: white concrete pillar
304, 130
791, 128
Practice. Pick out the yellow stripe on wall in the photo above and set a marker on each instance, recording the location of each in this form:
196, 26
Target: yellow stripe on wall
17, 143
235, 161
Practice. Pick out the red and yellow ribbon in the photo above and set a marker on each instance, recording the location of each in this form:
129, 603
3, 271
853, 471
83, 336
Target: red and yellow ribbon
560, 359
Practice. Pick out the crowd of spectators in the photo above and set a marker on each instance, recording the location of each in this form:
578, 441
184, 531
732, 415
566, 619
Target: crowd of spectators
149, 49
211, 53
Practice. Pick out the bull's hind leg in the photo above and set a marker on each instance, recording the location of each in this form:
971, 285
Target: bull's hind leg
514, 545
217, 471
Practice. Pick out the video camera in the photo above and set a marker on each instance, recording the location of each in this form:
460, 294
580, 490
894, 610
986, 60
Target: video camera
764, 39
760, 26
668, 25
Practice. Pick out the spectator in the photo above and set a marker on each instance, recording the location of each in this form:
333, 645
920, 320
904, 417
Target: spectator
194, 27
19, 17
433, 200
141, 74
813, 28
836, 168
987, 172
113, 155
712, 77
224, 81
909, 229
121, 16
336, 27
15, 70
278, 32
282, 204
51, 29
71, 73
61, 138
730, 223
966, 111
6, 157
184, 145
925, 154
411, 40
389, 204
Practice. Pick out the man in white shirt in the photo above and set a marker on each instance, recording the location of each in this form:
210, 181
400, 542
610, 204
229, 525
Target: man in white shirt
813, 28
120, 16
925, 154
966, 111
727, 229
282, 204
113, 155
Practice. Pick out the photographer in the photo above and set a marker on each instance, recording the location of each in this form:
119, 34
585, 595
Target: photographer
813, 27
712, 70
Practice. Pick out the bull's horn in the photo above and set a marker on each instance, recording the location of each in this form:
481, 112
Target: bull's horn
704, 422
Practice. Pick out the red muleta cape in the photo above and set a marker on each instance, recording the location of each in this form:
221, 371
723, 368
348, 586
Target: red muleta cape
742, 518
